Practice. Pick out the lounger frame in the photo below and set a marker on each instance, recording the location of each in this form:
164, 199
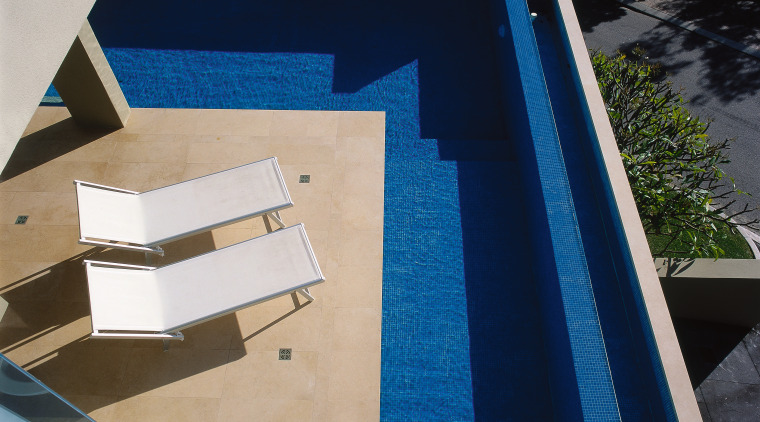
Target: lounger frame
153, 246
306, 256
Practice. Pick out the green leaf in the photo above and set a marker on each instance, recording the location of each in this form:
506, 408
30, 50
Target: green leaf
671, 163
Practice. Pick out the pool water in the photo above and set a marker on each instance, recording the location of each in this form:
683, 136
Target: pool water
462, 333
448, 198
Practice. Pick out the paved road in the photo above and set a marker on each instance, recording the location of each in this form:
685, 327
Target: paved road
720, 83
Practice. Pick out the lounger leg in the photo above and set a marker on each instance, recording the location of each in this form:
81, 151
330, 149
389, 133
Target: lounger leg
176, 336
306, 294
149, 254
277, 219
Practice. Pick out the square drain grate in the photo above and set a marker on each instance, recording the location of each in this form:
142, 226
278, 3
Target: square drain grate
304, 178
21, 219
285, 354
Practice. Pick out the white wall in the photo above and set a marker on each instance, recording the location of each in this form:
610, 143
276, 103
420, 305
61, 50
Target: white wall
35, 36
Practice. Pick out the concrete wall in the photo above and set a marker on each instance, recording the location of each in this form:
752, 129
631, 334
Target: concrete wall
88, 86
725, 291
35, 36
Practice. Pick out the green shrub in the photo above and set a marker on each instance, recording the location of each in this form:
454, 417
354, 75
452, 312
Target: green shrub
672, 164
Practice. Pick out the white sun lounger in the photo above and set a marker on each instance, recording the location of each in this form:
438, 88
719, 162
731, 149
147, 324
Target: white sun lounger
129, 301
146, 220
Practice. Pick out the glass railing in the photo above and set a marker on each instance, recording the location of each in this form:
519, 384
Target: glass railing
24, 398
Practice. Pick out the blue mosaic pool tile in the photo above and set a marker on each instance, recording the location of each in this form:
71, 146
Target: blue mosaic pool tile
635, 387
543, 158
653, 383
299, 62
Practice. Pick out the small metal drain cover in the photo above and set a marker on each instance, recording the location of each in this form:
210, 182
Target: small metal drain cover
285, 354
304, 178
21, 219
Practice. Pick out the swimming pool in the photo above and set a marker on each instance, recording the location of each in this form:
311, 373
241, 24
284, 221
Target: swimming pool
467, 332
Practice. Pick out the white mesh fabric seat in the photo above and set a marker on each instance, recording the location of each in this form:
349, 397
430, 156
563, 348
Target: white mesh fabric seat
129, 301
145, 220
